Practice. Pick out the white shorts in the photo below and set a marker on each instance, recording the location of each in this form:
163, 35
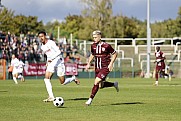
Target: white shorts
20, 70
15, 70
56, 65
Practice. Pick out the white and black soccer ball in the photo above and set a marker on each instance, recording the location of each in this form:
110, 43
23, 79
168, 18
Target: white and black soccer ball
58, 102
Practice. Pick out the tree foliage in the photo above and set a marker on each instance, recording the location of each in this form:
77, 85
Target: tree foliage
19, 23
97, 14
6, 19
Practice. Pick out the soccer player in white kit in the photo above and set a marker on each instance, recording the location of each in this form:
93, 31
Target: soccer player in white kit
55, 61
20, 70
15, 64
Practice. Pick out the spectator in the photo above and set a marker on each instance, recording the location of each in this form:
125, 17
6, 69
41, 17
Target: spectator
74, 49
27, 47
68, 59
9, 37
68, 50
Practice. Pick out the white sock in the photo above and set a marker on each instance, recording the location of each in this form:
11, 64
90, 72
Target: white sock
49, 87
89, 101
156, 82
22, 77
69, 80
15, 80
19, 76
170, 77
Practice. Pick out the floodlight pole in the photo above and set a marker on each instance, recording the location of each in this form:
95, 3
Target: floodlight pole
1, 6
148, 40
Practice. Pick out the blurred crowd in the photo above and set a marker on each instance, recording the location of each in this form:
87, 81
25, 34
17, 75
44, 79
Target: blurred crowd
27, 48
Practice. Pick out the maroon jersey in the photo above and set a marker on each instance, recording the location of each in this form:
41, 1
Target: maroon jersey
102, 54
160, 63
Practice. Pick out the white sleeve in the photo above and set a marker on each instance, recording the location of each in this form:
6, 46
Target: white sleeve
55, 48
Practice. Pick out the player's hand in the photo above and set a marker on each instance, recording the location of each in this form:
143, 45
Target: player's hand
158, 60
49, 61
87, 67
110, 67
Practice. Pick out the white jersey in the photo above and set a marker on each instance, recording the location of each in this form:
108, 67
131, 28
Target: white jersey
51, 50
54, 55
15, 64
20, 66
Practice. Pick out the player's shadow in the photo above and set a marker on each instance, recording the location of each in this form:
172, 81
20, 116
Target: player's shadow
174, 85
3, 91
128, 103
62, 107
78, 99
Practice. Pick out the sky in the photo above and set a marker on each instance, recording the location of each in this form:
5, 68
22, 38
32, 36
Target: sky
50, 10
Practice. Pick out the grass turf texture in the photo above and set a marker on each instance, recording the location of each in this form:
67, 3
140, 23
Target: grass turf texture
138, 100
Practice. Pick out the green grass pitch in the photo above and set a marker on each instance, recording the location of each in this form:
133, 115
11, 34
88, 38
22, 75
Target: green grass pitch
138, 100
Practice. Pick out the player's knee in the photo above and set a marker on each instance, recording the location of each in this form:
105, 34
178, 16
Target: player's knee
97, 80
62, 80
96, 83
101, 85
47, 77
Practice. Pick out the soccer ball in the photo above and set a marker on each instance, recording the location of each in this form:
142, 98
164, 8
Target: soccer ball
58, 102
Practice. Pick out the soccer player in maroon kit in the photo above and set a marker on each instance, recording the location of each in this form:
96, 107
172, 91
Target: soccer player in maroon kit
104, 56
160, 64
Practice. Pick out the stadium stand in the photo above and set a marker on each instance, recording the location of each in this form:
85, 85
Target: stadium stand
131, 58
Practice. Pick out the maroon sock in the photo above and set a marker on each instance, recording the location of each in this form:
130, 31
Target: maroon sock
107, 84
94, 90
156, 76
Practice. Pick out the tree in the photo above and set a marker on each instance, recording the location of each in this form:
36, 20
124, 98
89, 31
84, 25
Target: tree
97, 15
6, 19
178, 22
52, 28
72, 25
23, 24
19, 23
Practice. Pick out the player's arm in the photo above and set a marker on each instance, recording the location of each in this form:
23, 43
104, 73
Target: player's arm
157, 60
163, 57
160, 59
89, 61
113, 58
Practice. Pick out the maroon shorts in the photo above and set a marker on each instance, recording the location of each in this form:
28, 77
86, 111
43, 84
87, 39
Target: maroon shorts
102, 73
160, 68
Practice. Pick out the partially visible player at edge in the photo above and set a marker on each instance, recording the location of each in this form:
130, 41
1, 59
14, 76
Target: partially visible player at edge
55, 61
160, 64
104, 56
20, 70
